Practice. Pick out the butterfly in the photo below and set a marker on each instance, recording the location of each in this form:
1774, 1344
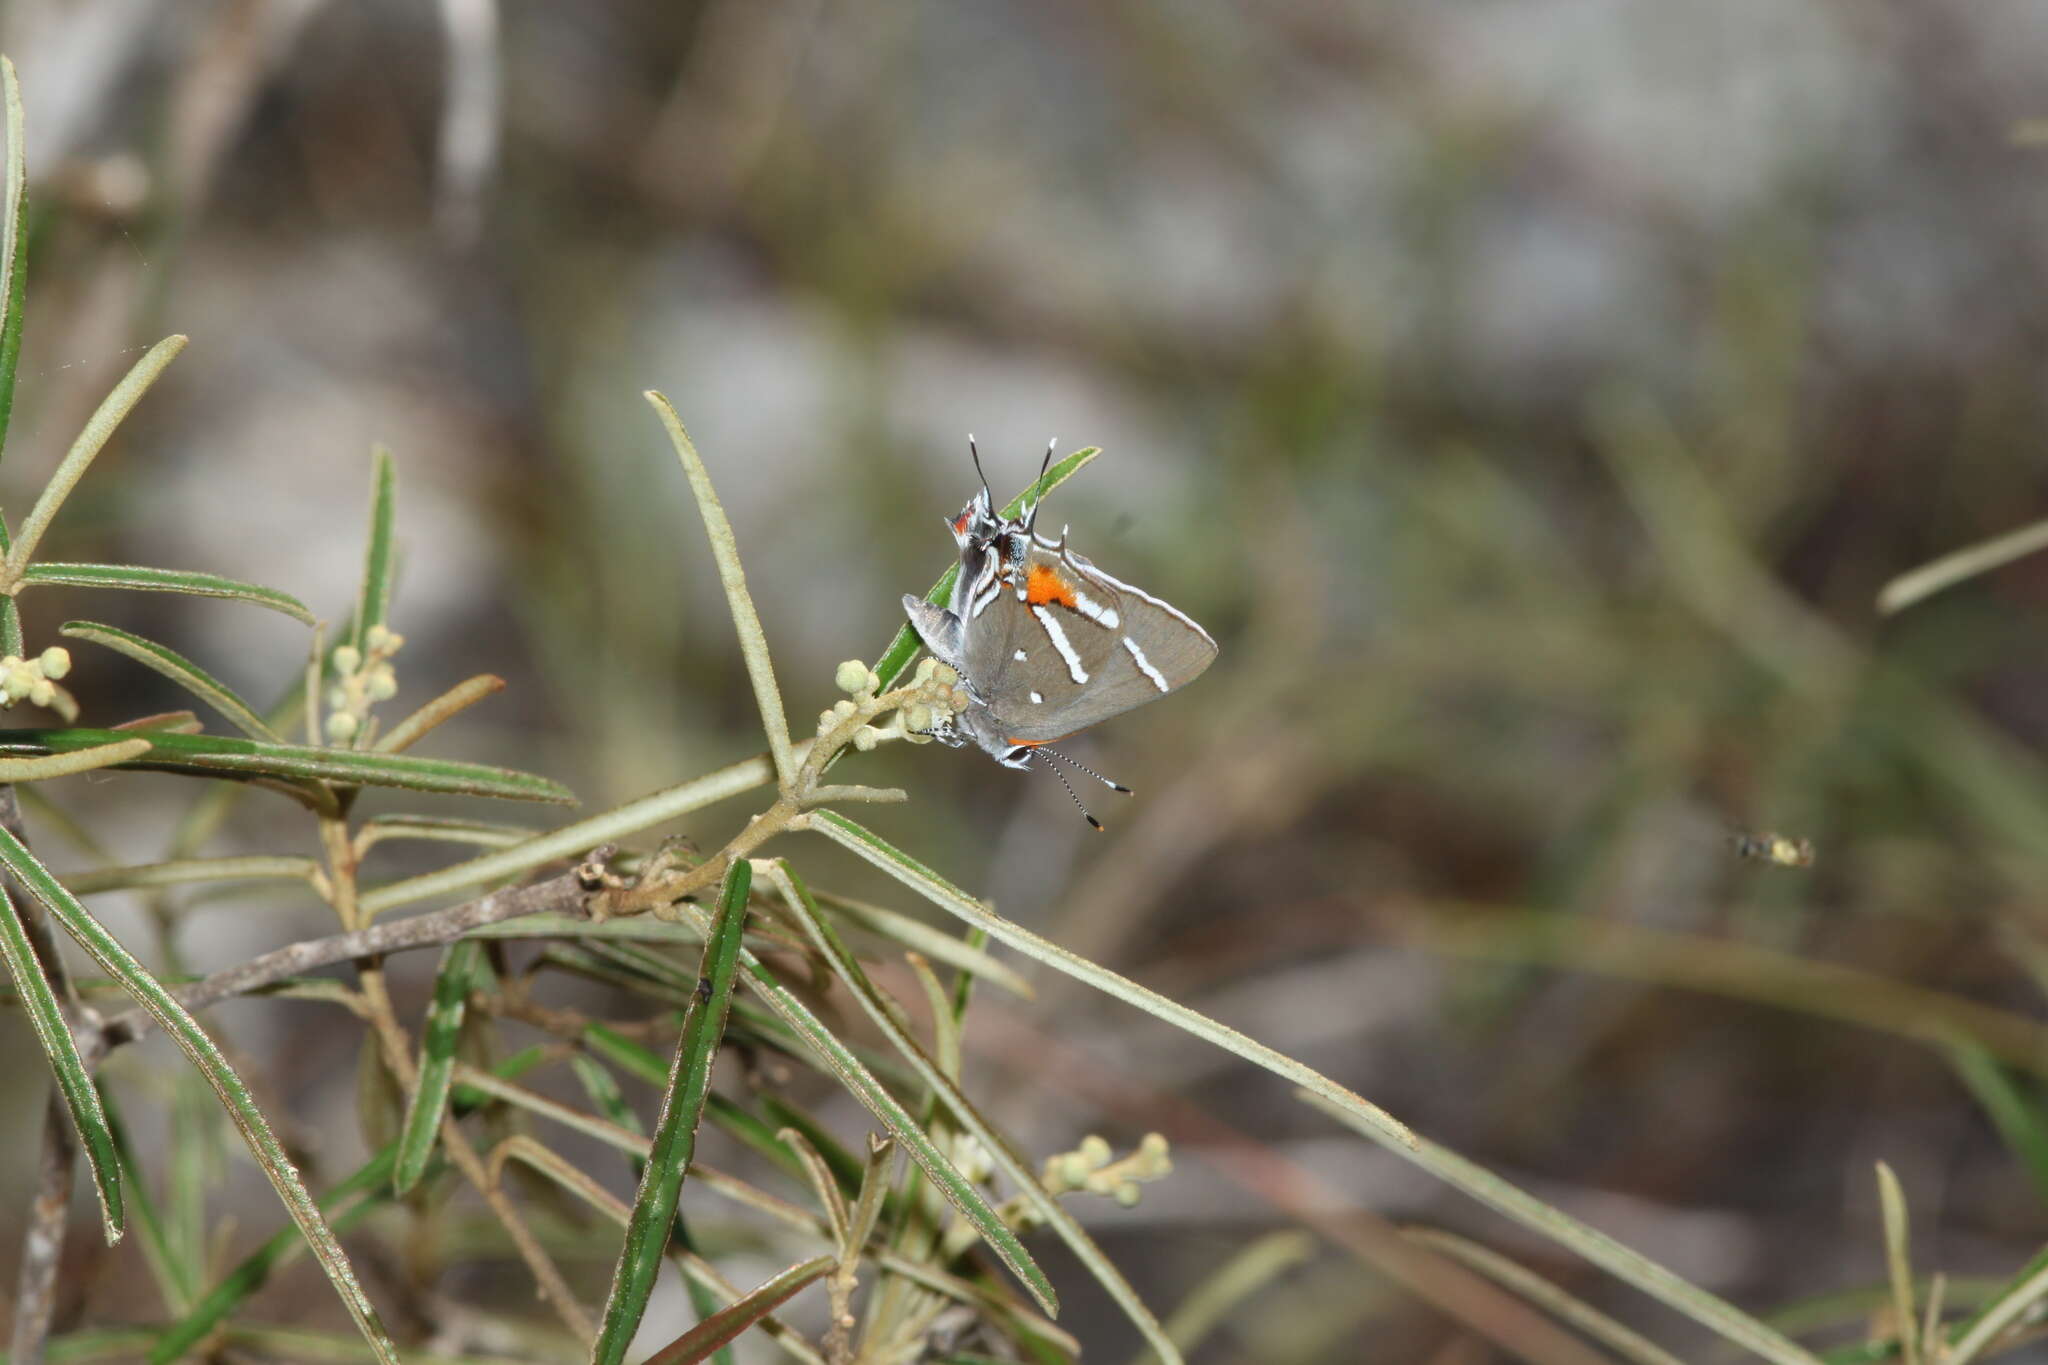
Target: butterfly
1046, 643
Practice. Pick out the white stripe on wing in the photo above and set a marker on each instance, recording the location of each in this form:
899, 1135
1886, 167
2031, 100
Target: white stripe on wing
1058, 637
1145, 665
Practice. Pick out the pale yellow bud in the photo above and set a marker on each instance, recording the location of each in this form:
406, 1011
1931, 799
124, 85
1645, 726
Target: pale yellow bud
865, 738
382, 684
42, 692
55, 661
347, 658
852, 676
341, 726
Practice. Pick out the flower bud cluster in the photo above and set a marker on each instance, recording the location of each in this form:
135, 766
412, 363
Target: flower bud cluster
932, 696
35, 681
363, 677
1090, 1167
939, 698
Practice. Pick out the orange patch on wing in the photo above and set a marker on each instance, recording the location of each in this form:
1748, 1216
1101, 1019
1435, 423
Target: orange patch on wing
1045, 585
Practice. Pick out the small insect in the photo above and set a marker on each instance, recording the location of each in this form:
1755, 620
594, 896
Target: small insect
1047, 643
1773, 848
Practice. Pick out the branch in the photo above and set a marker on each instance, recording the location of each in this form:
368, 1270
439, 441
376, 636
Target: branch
563, 895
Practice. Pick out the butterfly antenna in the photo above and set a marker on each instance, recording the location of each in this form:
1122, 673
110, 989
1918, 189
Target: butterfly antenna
1070, 792
971, 450
1083, 767
1038, 486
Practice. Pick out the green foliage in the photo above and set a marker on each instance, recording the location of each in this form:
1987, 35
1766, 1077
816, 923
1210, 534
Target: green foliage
779, 989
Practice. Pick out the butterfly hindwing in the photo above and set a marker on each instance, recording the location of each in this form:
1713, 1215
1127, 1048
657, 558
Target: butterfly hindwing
1064, 646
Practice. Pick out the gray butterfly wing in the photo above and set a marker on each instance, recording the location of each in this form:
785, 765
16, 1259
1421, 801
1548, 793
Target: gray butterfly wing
1049, 669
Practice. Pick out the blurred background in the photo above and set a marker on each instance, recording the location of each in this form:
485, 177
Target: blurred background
1531, 398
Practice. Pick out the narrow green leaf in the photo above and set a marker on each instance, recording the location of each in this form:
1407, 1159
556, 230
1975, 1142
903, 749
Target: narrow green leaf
439, 711
13, 298
82, 760
903, 648
13, 301
639, 1062
179, 670
726, 551
172, 1017
373, 599
569, 840
962, 1112
1367, 1118
788, 1115
226, 756
860, 1082
190, 582
2004, 1308
824, 1184
13, 252
429, 1100
948, 897
74, 1081
98, 428
441, 829
255, 1269
603, 1089
463, 1099
185, 871
935, 944
728, 1322
371, 1181
874, 1188
675, 1133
